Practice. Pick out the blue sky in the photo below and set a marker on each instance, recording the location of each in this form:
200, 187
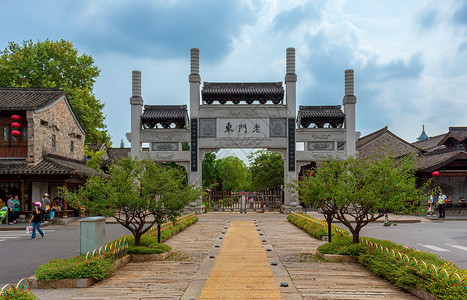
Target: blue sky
409, 56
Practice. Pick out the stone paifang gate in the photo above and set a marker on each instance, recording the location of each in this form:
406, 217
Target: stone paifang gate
247, 115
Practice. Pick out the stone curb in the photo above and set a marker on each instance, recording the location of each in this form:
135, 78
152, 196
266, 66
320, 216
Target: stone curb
88, 282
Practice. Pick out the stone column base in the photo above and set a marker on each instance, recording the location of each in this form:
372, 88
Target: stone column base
199, 209
285, 209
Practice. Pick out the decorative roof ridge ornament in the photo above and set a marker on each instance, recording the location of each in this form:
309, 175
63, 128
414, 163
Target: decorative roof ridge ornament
423, 136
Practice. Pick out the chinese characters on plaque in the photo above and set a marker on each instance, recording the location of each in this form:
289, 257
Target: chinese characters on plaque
254, 128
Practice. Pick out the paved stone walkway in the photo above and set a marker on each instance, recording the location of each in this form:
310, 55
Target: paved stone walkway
241, 270
187, 272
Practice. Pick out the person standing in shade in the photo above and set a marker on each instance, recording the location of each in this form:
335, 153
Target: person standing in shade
16, 208
46, 209
10, 204
36, 219
442, 205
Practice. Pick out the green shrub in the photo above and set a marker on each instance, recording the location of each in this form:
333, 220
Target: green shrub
317, 230
74, 268
77, 267
396, 268
19, 294
157, 248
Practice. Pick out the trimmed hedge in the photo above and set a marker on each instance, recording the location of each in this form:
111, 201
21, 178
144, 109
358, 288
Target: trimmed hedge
314, 227
77, 267
404, 270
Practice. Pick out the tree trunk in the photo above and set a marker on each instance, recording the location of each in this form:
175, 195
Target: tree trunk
159, 233
137, 239
356, 237
329, 218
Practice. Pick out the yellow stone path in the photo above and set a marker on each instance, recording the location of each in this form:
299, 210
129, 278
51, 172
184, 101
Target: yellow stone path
241, 269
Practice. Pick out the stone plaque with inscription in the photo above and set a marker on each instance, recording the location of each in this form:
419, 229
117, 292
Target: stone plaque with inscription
164, 146
243, 128
320, 146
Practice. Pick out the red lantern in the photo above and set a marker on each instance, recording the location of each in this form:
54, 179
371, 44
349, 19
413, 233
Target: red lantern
15, 133
435, 173
15, 117
15, 125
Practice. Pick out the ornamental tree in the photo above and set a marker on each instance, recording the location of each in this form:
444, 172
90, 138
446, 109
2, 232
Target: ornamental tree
137, 193
57, 63
358, 191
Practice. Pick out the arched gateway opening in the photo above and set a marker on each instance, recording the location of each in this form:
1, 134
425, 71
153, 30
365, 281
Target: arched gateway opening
243, 180
243, 115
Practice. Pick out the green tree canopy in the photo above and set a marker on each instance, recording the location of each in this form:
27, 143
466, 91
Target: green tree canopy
138, 194
232, 173
358, 191
57, 63
210, 171
267, 170
93, 159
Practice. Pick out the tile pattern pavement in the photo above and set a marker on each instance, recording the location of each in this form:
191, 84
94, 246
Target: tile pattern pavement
291, 247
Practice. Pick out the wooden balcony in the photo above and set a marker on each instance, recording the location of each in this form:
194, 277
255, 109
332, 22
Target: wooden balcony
13, 151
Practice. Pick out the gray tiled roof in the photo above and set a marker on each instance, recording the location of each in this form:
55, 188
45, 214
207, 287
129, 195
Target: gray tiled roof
237, 92
96, 147
165, 115
320, 115
50, 165
435, 142
118, 153
383, 142
435, 160
12, 99
430, 143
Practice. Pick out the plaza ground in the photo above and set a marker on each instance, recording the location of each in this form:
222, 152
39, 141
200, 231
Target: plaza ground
185, 274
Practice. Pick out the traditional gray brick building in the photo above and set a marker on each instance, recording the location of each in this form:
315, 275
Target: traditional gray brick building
48, 153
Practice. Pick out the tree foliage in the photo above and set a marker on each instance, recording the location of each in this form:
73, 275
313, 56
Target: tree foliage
267, 170
57, 63
210, 171
358, 191
93, 158
232, 173
138, 194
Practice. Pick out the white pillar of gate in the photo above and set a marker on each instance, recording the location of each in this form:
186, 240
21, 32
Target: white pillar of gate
349, 102
290, 168
136, 102
195, 172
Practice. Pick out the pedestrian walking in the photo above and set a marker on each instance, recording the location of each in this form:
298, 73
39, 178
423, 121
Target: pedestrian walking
442, 205
10, 204
36, 219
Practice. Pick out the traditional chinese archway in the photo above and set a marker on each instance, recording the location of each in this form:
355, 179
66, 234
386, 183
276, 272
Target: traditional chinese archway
243, 115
